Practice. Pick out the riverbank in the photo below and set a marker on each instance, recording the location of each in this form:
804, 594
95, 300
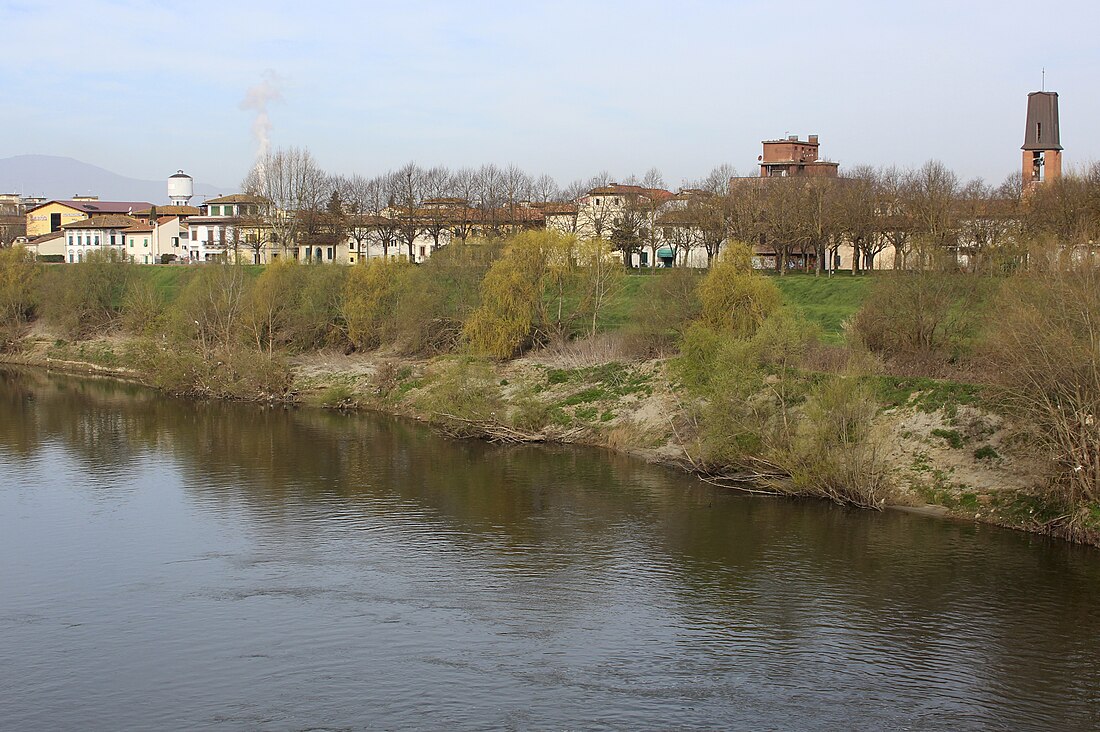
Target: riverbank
941, 451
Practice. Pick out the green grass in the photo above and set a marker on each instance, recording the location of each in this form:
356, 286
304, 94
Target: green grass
927, 395
826, 301
170, 280
952, 437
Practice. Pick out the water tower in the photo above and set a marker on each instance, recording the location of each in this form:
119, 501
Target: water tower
180, 188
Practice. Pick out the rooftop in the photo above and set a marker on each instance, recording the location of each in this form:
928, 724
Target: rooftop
104, 221
234, 198
99, 207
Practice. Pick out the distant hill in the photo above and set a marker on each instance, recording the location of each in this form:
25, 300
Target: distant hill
58, 177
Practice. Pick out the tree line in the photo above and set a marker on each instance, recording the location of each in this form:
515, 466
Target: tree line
928, 217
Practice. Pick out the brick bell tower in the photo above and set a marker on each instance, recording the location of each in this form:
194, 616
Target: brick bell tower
1042, 150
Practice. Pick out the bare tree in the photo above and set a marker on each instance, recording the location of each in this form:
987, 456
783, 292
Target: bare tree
407, 187
545, 188
653, 179
718, 179
931, 203
464, 186
362, 198
285, 181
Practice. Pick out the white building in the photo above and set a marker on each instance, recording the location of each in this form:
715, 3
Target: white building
227, 224
94, 234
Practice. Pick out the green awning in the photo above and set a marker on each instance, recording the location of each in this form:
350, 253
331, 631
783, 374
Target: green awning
665, 253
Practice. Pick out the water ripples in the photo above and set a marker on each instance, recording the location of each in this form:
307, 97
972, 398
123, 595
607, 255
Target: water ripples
332, 572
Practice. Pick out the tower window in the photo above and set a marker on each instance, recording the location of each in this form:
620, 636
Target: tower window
1038, 132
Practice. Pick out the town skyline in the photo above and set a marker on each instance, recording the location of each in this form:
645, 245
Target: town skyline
567, 92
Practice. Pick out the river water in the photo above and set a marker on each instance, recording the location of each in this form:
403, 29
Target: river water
168, 564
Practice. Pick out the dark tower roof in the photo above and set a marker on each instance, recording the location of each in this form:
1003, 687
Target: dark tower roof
1042, 122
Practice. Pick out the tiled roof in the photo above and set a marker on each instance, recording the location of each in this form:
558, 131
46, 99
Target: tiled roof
138, 229
93, 208
234, 198
46, 237
618, 189
551, 209
170, 211
106, 221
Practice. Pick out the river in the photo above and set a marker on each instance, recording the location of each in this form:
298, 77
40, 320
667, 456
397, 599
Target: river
170, 564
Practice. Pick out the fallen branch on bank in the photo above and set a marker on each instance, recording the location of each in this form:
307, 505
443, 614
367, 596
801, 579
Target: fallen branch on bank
494, 431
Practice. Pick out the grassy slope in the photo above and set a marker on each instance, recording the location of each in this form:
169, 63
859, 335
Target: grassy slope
827, 301
824, 300
171, 279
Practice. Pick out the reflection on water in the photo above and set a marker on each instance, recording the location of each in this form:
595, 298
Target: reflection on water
171, 564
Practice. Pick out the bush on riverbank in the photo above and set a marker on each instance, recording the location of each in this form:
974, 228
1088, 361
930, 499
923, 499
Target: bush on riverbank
86, 298
18, 280
1045, 355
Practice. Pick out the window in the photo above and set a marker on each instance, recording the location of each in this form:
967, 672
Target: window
97, 240
422, 252
79, 240
175, 241
131, 242
146, 242
112, 239
70, 239
1038, 132
194, 235
331, 253
215, 210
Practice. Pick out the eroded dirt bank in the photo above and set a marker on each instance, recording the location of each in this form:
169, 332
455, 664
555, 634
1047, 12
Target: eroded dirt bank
958, 461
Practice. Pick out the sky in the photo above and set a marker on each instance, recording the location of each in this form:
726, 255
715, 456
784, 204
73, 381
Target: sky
564, 88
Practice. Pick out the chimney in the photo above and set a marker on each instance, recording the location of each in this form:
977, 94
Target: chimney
813, 139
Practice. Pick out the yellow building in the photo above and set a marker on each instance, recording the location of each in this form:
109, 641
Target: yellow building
52, 215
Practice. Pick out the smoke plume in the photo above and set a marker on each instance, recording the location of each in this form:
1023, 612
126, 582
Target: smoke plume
256, 99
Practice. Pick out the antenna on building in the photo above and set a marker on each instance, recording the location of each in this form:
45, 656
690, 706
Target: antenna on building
1044, 86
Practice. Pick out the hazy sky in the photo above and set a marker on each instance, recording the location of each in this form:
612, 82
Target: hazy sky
565, 88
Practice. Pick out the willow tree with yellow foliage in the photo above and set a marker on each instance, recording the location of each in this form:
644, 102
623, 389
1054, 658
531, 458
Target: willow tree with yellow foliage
372, 296
735, 298
524, 295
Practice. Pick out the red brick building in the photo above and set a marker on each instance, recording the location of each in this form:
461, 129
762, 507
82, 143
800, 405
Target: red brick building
792, 157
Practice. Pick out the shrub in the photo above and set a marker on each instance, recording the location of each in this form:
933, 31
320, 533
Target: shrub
318, 318
87, 296
18, 278
922, 314
512, 307
272, 304
233, 372
372, 297
464, 391
734, 298
143, 308
1044, 353
211, 309
668, 303
835, 452
440, 296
